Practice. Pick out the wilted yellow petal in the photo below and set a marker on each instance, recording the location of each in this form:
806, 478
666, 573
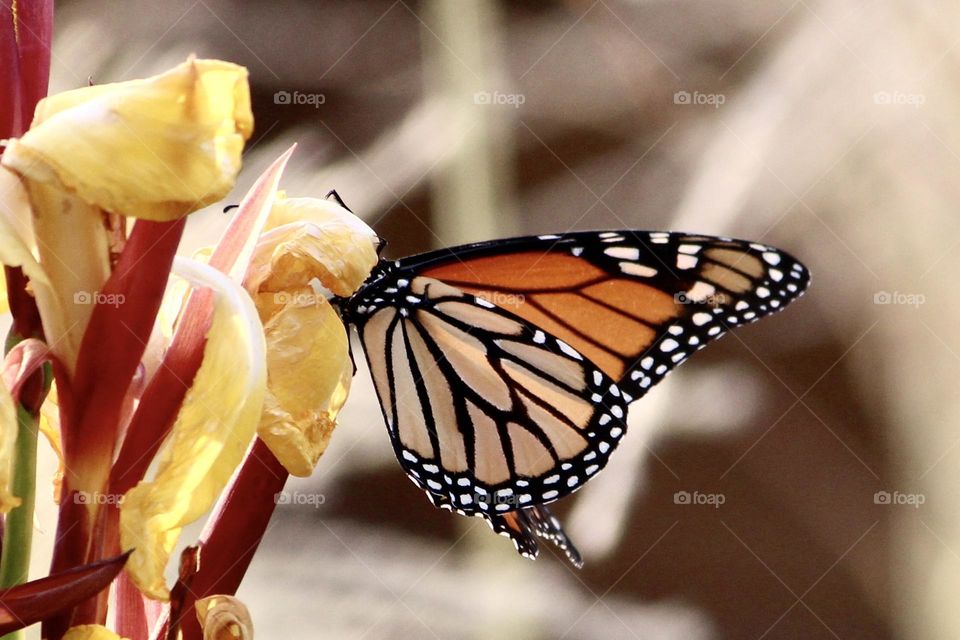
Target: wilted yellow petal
4, 305
312, 238
50, 428
8, 441
17, 246
156, 148
309, 372
307, 347
74, 250
91, 632
224, 618
209, 438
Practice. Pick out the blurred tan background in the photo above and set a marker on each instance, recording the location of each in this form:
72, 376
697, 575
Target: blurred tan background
826, 128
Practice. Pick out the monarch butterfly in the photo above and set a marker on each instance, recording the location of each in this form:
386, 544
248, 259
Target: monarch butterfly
504, 369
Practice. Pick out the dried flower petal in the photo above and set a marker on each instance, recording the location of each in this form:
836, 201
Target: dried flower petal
224, 618
309, 373
156, 148
308, 357
50, 428
17, 244
213, 430
8, 441
312, 238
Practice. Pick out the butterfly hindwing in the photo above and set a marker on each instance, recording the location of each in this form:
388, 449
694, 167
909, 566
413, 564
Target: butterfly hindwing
484, 409
523, 527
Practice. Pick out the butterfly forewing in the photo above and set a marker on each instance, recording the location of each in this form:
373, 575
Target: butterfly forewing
634, 303
484, 409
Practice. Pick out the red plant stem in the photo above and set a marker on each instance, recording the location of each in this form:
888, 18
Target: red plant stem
35, 34
91, 413
233, 534
113, 346
24, 62
131, 610
11, 98
23, 307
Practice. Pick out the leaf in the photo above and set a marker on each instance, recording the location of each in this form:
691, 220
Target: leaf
38, 600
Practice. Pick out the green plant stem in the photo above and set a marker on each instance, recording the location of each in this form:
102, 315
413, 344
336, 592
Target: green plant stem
18, 529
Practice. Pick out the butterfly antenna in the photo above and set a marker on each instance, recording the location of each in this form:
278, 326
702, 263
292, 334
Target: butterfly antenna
333, 195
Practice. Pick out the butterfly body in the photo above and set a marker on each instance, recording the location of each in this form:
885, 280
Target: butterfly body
504, 369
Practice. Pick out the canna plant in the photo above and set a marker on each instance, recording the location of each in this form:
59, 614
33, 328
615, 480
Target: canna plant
168, 385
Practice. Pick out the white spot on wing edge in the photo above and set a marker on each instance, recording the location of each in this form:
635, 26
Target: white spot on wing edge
700, 318
771, 257
570, 351
668, 345
685, 261
636, 269
623, 253
700, 291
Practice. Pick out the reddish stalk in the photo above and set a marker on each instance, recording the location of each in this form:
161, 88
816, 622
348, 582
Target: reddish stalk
91, 413
233, 534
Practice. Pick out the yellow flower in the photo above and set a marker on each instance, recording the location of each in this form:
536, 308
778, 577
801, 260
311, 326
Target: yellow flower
157, 148
308, 363
212, 432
